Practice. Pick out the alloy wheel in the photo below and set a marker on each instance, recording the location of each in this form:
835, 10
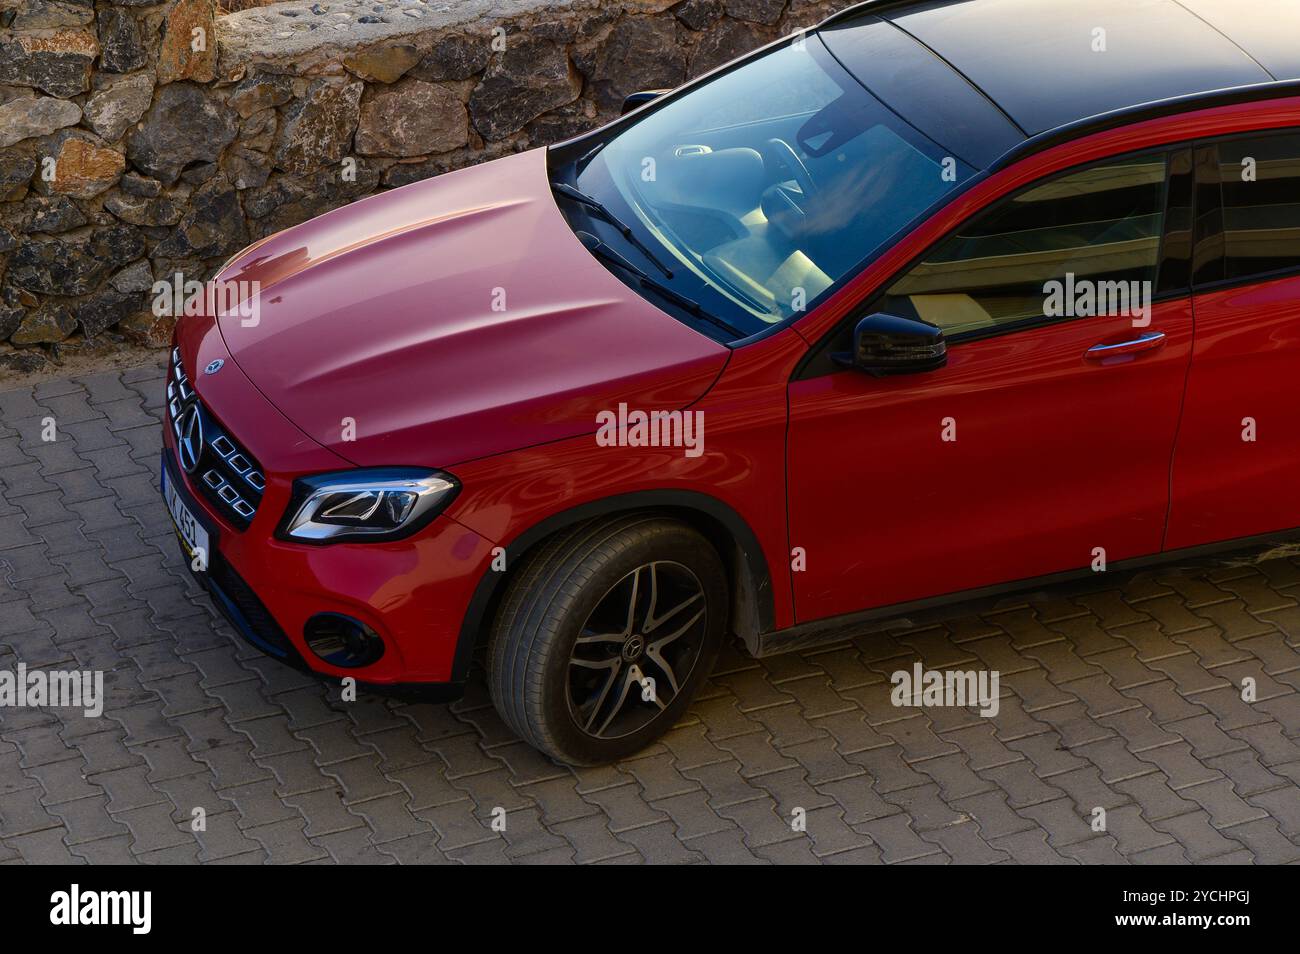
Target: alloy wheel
637, 649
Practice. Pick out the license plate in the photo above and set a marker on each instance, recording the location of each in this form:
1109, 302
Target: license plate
193, 537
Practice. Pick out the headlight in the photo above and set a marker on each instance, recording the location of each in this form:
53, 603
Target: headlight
366, 505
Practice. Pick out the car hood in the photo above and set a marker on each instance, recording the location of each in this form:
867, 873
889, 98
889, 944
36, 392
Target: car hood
453, 319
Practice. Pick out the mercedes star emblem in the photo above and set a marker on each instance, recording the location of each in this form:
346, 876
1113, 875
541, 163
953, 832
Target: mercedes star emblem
190, 446
214, 366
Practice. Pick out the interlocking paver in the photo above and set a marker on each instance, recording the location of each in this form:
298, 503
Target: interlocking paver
1124, 695
220, 837
954, 776
1248, 774
1133, 834
789, 725
896, 839
153, 828
457, 825
798, 853
389, 820
1233, 619
592, 840
353, 847
1029, 847
1282, 806
1100, 850
106, 851
258, 803
45, 847
285, 842
889, 771
361, 780
1022, 785
417, 849
1265, 841
1048, 754
87, 819
728, 847
691, 813
761, 823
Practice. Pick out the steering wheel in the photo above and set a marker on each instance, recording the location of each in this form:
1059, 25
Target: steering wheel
783, 156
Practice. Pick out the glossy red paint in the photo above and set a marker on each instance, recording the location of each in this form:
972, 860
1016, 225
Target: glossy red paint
413, 593
1034, 424
1244, 370
742, 467
1051, 447
453, 319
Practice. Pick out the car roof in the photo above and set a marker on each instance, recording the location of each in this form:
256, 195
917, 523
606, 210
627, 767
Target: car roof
1040, 65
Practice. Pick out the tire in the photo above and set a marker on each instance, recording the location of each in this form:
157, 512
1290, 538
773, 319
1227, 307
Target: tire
569, 627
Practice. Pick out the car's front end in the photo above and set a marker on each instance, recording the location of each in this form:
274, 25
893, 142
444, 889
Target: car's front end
323, 390
323, 565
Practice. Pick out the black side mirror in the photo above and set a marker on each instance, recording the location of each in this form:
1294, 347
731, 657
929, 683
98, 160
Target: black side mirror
640, 99
888, 344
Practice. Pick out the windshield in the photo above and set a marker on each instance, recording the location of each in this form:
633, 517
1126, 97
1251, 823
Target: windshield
763, 189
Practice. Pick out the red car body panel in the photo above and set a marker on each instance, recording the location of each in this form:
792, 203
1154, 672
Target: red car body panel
507, 403
412, 592
992, 527
1036, 424
281, 446
453, 319
742, 467
1245, 366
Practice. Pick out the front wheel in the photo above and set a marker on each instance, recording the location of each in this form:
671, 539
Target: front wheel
606, 635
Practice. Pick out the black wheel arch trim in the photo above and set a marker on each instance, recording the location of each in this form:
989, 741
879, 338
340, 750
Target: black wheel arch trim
755, 580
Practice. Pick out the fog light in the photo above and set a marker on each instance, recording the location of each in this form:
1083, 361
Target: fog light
342, 641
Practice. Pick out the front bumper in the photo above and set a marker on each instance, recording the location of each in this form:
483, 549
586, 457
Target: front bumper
414, 593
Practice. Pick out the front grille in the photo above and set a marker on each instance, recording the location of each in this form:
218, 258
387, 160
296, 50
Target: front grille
223, 471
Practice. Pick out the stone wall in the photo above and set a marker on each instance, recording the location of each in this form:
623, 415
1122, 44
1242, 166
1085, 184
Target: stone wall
139, 140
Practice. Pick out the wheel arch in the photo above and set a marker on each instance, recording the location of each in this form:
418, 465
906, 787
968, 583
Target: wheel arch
748, 574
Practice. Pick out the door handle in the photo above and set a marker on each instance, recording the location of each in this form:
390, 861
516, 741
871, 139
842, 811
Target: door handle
1147, 341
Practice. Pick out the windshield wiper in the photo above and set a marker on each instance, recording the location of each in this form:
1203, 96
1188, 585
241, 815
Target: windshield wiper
603, 251
591, 202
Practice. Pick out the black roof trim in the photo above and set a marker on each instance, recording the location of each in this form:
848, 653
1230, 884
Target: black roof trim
1144, 111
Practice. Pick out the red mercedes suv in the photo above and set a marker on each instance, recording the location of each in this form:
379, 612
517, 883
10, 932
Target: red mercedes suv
934, 302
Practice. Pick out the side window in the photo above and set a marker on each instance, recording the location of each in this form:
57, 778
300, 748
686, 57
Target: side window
1037, 249
1260, 183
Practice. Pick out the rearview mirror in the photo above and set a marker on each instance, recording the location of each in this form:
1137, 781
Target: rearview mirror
640, 99
887, 344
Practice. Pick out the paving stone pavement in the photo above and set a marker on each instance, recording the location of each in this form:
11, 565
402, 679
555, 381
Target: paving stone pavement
1126, 699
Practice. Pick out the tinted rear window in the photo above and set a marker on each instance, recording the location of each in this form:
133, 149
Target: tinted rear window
1260, 183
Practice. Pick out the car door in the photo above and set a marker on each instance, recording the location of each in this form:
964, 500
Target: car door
1044, 445
1237, 463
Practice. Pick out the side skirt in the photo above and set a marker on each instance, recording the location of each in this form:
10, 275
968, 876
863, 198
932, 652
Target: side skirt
1244, 551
